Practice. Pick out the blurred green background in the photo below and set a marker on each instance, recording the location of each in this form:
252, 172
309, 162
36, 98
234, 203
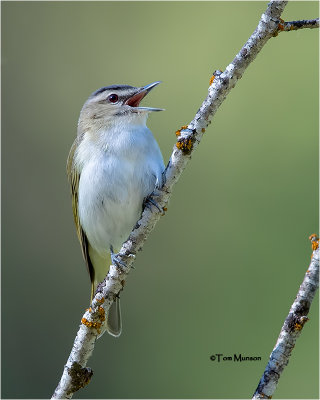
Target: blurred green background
222, 268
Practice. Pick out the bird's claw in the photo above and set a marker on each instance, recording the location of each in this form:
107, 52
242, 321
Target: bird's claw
149, 201
116, 261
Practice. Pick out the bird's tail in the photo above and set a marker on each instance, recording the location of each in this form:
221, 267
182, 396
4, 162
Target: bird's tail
113, 320
114, 324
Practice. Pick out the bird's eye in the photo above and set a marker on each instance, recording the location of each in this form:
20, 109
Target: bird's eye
113, 98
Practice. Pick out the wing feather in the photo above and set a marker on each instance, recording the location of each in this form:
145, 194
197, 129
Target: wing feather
74, 177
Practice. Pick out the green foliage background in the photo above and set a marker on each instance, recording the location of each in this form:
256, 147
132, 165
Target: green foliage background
219, 273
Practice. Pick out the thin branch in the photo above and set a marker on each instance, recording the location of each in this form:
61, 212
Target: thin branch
291, 328
92, 323
295, 25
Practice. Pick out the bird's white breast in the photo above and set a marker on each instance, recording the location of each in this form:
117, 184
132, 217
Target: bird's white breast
118, 169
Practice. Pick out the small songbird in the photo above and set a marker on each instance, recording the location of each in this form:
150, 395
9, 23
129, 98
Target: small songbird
114, 165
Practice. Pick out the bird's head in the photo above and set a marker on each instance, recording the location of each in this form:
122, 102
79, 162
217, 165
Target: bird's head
115, 104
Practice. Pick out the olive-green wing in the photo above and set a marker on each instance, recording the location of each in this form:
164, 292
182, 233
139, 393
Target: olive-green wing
74, 177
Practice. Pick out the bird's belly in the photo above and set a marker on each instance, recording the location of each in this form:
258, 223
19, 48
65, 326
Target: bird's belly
111, 194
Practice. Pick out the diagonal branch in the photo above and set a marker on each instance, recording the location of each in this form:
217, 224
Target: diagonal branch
295, 25
292, 327
75, 374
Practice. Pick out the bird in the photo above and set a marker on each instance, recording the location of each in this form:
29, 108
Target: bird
113, 167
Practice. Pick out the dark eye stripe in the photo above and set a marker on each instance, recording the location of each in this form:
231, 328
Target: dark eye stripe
106, 100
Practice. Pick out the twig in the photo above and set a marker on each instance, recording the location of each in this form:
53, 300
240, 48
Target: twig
92, 323
292, 327
295, 25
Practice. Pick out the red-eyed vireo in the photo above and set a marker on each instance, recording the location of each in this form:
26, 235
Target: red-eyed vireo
114, 164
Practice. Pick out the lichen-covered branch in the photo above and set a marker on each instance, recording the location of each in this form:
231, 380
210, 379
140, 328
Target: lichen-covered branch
292, 327
295, 25
92, 323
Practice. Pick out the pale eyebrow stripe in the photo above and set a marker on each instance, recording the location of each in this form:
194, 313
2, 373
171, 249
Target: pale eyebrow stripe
112, 87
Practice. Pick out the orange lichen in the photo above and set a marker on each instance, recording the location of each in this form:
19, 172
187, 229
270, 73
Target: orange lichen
164, 209
264, 396
314, 241
90, 324
300, 324
203, 130
179, 130
211, 80
101, 301
281, 25
185, 145
102, 313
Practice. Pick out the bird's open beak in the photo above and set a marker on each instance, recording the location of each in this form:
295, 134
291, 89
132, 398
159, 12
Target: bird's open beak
134, 101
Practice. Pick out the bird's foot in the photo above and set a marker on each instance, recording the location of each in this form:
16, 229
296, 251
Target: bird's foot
115, 259
149, 202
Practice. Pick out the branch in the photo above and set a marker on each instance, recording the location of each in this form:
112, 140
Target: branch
292, 327
92, 323
295, 25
